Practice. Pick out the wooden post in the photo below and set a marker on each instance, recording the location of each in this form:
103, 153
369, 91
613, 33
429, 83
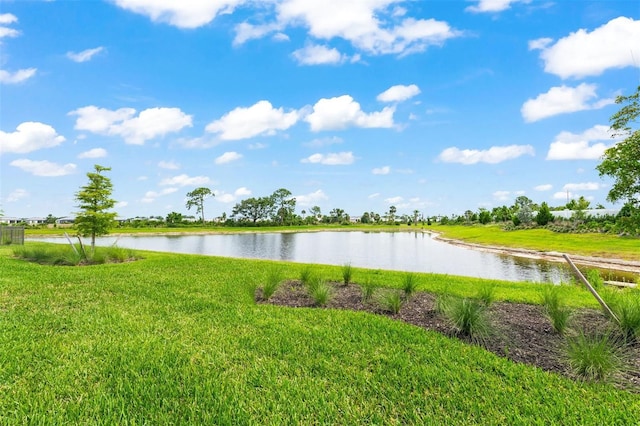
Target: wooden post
593, 291
71, 244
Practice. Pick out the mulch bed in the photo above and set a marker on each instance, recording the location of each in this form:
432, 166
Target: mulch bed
522, 332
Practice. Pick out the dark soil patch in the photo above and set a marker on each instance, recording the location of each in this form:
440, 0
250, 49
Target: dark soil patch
522, 333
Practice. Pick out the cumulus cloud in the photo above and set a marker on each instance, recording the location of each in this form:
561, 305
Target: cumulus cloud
185, 180
136, 130
562, 100
29, 136
169, 165
399, 93
259, 119
315, 54
44, 168
150, 196
19, 76
311, 199
8, 19
385, 170
226, 198
494, 155
502, 195
544, 187
343, 111
228, 157
94, 153
331, 159
17, 195
491, 6
185, 14
572, 146
584, 186
580, 54
85, 55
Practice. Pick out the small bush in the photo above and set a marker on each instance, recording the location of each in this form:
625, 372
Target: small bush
486, 293
347, 273
305, 275
626, 307
368, 289
594, 357
468, 316
555, 309
321, 293
391, 301
594, 278
274, 278
409, 284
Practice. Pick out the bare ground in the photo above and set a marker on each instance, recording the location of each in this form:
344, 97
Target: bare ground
522, 333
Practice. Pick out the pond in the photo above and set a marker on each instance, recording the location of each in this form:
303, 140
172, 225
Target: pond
403, 251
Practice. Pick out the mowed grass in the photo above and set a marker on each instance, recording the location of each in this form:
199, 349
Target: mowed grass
178, 339
591, 244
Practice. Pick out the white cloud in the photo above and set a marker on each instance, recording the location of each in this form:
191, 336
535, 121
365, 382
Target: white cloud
17, 194
562, 195
226, 198
394, 200
585, 186
562, 100
502, 195
341, 112
311, 199
320, 142
150, 196
385, 170
582, 53
169, 165
17, 77
331, 159
374, 195
185, 180
182, 14
544, 187
491, 6
571, 146
399, 93
7, 19
149, 124
318, 55
85, 55
258, 119
121, 204
493, 155
44, 168
246, 31
258, 145
94, 153
228, 157
29, 136
242, 192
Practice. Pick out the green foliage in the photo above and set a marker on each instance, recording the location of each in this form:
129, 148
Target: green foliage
391, 301
468, 316
595, 279
555, 308
625, 304
544, 215
620, 162
273, 281
594, 357
196, 199
347, 273
487, 293
409, 284
65, 255
320, 292
306, 274
368, 289
95, 200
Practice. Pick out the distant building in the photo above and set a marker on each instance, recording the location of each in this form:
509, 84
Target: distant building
568, 214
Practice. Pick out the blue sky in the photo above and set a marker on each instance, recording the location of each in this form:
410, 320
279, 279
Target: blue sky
439, 106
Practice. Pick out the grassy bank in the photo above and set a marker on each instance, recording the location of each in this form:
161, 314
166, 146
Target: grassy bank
178, 339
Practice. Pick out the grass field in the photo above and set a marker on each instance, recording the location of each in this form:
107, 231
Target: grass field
178, 339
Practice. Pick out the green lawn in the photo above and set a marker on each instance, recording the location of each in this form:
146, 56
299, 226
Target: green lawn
178, 339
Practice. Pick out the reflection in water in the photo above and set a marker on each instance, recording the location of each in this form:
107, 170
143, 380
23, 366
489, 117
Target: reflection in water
405, 251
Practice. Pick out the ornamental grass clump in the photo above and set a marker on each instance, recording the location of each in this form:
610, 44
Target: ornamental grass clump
625, 305
409, 284
274, 278
347, 273
555, 309
321, 292
306, 275
486, 293
595, 279
468, 317
595, 357
391, 301
368, 289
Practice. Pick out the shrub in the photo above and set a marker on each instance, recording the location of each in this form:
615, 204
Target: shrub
486, 293
274, 278
321, 293
594, 357
626, 307
391, 301
468, 317
347, 273
306, 275
409, 284
368, 289
555, 309
594, 278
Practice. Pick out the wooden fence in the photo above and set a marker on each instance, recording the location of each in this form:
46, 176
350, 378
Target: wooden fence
11, 235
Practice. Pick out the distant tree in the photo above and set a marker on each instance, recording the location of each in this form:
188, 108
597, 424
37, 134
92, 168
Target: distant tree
621, 160
392, 214
523, 207
315, 211
253, 209
484, 216
365, 218
544, 215
173, 219
416, 213
284, 206
337, 215
95, 200
196, 199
